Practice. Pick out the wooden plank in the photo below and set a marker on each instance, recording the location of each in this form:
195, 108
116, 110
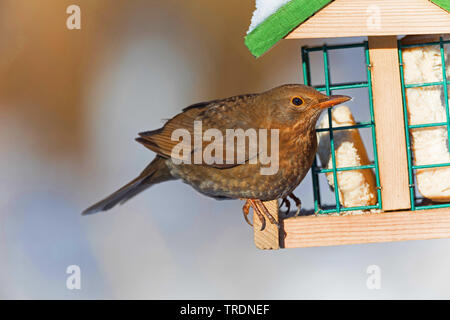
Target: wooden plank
424, 38
389, 123
311, 231
269, 238
351, 18
416, 39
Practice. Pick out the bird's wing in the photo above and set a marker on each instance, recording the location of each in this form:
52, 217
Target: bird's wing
220, 115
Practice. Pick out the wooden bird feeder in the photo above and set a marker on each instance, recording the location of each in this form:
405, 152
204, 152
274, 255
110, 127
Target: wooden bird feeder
402, 214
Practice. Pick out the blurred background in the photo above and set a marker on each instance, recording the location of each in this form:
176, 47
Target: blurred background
71, 104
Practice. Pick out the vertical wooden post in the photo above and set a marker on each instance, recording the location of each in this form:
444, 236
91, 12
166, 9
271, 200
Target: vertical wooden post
389, 124
269, 238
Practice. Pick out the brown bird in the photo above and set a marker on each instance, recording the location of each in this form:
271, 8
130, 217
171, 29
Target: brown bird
288, 113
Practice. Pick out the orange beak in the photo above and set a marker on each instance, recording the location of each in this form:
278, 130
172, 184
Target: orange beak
331, 101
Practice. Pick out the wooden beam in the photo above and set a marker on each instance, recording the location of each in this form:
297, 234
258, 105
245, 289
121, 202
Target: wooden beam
352, 18
269, 238
312, 231
423, 38
389, 123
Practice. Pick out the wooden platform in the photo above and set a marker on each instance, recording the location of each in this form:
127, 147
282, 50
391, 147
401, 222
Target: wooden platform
325, 230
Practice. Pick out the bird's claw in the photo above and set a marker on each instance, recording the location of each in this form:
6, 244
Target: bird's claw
298, 203
261, 211
287, 202
246, 210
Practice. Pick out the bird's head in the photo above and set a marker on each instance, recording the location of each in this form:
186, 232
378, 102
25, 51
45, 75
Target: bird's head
294, 103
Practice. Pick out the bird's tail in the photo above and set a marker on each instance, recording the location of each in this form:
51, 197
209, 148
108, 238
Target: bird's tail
156, 172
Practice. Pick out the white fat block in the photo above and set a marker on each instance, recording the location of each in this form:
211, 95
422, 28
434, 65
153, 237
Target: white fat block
356, 187
427, 105
264, 9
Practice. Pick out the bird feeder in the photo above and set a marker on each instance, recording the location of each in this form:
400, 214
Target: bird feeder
402, 210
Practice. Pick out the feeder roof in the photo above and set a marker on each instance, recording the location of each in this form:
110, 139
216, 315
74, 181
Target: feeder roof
299, 19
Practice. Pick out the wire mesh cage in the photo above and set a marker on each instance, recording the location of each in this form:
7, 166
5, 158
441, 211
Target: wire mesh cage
328, 87
394, 212
418, 201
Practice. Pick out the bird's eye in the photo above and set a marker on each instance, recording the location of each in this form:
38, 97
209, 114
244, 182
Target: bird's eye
297, 101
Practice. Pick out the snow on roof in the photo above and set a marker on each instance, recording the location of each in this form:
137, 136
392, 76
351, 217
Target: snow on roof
264, 8
273, 20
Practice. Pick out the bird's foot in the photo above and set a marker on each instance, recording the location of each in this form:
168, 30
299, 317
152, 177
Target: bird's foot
246, 210
298, 203
260, 210
287, 202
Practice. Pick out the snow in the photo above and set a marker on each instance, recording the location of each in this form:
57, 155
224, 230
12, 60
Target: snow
264, 9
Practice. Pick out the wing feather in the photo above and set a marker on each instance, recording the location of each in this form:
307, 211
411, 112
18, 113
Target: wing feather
231, 113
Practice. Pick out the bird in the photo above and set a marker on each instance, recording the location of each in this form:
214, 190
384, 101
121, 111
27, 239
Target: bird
289, 112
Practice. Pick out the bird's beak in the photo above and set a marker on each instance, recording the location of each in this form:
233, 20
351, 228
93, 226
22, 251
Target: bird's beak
331, 101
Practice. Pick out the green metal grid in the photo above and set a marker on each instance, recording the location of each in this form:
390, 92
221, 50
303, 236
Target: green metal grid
411, 167
328, 88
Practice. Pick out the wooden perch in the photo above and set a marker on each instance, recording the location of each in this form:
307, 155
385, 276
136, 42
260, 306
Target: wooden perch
327, 230
269, 237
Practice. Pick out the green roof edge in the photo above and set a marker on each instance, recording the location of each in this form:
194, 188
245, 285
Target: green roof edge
283, 21
444, 4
